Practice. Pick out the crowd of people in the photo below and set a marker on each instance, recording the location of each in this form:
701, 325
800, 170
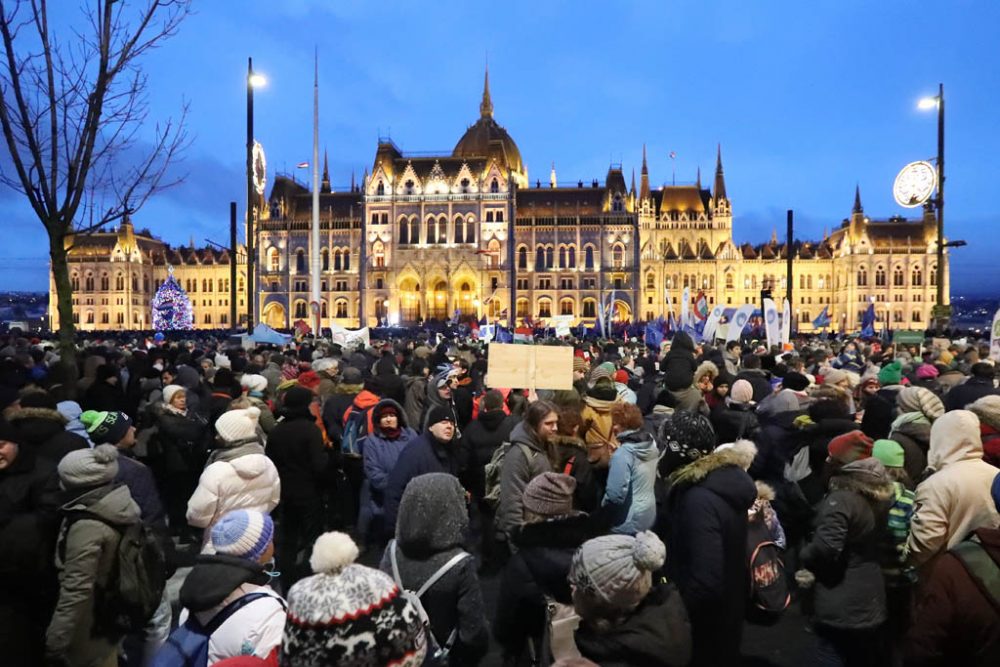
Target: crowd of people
335, 506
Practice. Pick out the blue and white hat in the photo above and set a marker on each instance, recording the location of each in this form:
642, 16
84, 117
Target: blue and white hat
243, 533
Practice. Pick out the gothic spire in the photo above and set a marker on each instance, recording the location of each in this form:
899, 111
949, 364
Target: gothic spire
486, 106
632, 190
325, 186
698, 180
644, 178
857, 200
719, 191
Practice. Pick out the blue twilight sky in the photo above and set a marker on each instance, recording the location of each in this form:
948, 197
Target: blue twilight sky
807, 99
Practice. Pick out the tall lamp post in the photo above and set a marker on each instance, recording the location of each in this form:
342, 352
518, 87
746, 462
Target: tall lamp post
253, 80
937, 102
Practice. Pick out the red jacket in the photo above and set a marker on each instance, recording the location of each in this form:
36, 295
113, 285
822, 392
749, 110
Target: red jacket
954, 623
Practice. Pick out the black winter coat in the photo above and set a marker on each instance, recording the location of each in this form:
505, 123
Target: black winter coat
679, 365
818, 438
182, 441
479, 440
915, 439
707, 540
760, 380
969, 392
734, 422
295, 445
880, 411
421, 456
44, 431
656, 634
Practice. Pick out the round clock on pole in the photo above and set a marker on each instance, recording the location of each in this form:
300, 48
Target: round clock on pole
914, 184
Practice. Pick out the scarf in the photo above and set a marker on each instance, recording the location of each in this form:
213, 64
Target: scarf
390, 433
235, 451
908, 418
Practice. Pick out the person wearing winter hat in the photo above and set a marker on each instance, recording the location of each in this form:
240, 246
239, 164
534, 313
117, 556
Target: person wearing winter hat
28, 526
844, 558
255, 390
349, 614
430, 532
436, 450
581, 367
852, 446
891, 374
685, 437
88, 544
917, 409
597, 402
238, 475
42, 427
183, 437
380, 451
980, 384
626, 619
734, 417
546, 542
987, 409
230, 591
955, 499
706, 534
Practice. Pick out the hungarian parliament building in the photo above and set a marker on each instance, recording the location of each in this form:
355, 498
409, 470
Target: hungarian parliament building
425, 236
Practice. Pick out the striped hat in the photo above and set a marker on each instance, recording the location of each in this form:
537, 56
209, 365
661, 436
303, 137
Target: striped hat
243, 533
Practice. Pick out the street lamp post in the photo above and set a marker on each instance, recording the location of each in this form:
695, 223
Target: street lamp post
930, 103
252, 81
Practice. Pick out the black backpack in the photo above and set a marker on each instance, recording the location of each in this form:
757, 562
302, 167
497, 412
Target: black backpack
137, 579
769, 593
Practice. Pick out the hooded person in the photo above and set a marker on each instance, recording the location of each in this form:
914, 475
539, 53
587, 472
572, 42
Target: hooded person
440, 395
71, 410
380, 451
981, 382
844, 559
956, 618
880, 409
734, 418
349, 614
231, 589
87, 549
538, 569
430, 532
29, 522
679, 365
627, 619
706, 510
255, 389
629, 496
43, 428
182, 435
597, 403
239, 476
987, 409
956, 498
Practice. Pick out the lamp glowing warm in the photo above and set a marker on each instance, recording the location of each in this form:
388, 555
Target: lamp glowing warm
928, 103
257, 80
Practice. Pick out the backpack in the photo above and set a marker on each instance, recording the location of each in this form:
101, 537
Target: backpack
137, 579
769, 594
981, 567
437, 653
494, 471
355, 428
187, 646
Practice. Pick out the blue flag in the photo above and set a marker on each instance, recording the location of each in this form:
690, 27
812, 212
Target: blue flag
654, 333
504, 335
868, 321
823, 319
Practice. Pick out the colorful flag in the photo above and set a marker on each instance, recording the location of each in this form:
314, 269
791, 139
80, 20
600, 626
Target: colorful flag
739, 322
523, 334
868, 321
302, 165
823, 319
701, 306
712, 323
771, 325
685, 308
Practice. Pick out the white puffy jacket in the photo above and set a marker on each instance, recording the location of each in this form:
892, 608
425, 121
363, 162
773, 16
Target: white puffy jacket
249, 482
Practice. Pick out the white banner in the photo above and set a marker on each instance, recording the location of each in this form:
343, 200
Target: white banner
771, 324
685, 308
342, 336
995, 338
786, 323
562, 324
739, 322
670, 307
712, 323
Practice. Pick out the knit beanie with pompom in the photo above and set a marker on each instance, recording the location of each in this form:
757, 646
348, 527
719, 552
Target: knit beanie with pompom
349, 614
89, 467
617, 569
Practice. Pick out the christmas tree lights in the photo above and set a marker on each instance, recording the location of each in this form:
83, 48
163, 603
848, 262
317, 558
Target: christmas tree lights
171, 306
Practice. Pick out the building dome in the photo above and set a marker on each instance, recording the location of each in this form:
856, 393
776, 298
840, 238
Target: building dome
486, 138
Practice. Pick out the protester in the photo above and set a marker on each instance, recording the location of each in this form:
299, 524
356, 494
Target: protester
987, 409
380, 451
917, 408
629, 495
528, 457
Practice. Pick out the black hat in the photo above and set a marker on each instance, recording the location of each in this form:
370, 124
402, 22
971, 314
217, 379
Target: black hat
795, 381
440, 413
298, 398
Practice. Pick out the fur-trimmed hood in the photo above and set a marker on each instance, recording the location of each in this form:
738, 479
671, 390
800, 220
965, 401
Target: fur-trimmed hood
705, 368
344, 389
765, 492
875, 488
741, 455
44, 414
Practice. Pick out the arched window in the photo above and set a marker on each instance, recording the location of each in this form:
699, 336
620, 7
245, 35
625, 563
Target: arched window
300, 309
430, 234
341, 308
347, 258
897, 276
494, 185
493, 254
380, 188
74, 282
588, 258
522, 258
459, 234
802, 281
540, 258
378, 254
571, 256
933, 275
135, 283
544, 308
566, 307
89, 283
324, 258
650, 280
809, 282
404, 231
499, 217
880, 276
916, 279
120, 281
442, 230
617, 205
338, 262
470, 230
730, 281
562, 257
550, 257
273, 260
300, 261
105, 282
408, 187
862, 277
322, 309
618, 256
589, 308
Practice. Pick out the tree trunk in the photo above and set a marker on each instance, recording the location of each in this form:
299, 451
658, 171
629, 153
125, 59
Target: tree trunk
64, 307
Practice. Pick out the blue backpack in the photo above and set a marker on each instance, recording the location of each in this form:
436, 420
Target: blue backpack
187, 646
355, 429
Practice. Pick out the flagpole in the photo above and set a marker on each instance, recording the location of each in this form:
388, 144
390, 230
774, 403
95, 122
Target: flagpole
314, 262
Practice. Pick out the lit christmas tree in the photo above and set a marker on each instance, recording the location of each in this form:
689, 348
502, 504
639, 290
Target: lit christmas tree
171, 306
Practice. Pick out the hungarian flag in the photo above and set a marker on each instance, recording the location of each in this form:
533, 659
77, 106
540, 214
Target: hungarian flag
701, 306
523, 334
302, 165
